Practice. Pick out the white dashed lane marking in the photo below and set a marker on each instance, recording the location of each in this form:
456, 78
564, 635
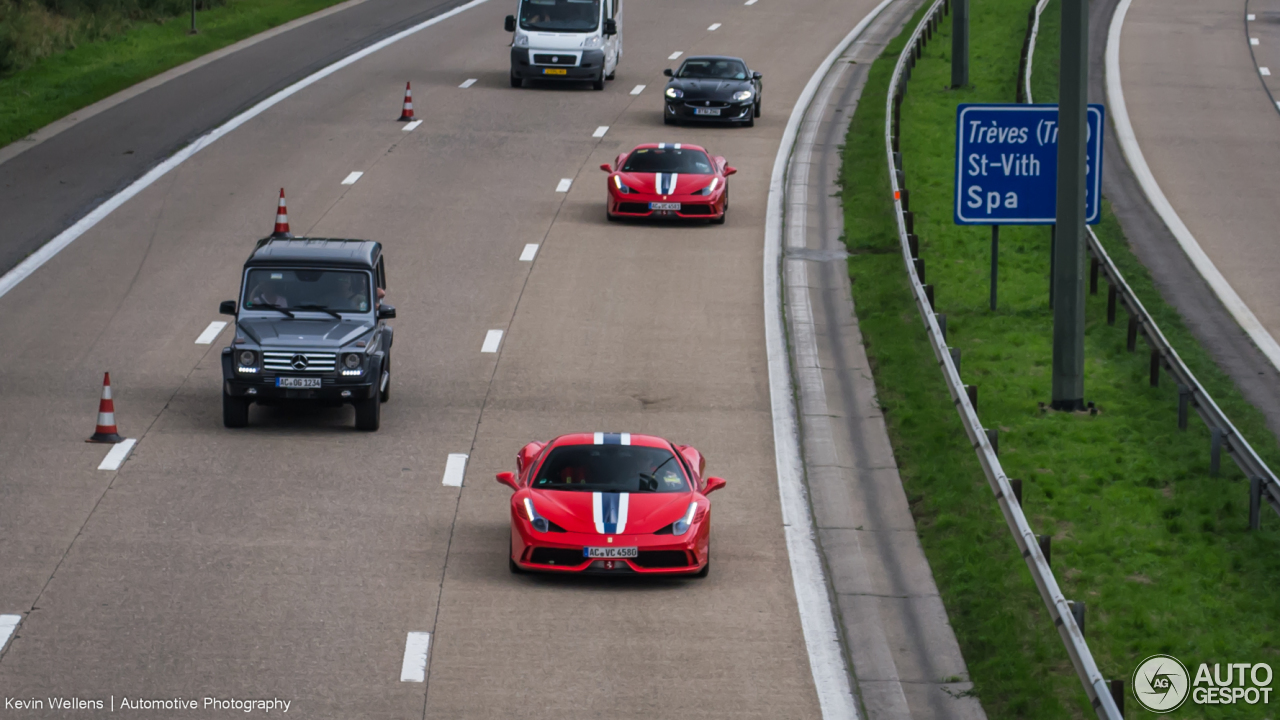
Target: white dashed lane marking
492, 340
118, 454
1253, 41
414, 667
714, 26
412, 125
750, 2
1250, 17
637, 90
565, 184
600, 131
210, 333
468, 83
454, 469
1264, 71
530, 252
675, 55
352, 178
8, 623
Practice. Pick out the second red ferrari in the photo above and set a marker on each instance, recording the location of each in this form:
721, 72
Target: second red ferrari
667, 180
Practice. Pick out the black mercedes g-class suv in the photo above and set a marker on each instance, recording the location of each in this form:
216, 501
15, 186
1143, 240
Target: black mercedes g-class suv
310, 325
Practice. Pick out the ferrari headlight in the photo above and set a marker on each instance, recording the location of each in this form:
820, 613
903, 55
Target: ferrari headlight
617, 182
539, 523
742, 96
521, 40
594, 41
681, 526
675, 93
710, 188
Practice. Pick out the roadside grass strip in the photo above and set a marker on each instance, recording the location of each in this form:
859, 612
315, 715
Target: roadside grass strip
1158, 551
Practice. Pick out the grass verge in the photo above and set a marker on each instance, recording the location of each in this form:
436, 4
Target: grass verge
1159, 551
58, 85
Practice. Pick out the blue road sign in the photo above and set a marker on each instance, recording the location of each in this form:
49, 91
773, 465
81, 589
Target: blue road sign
1007, 164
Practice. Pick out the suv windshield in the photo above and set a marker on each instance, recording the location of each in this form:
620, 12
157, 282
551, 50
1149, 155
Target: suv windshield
708, 68
319, 290
611, 468
659, 160
560, 15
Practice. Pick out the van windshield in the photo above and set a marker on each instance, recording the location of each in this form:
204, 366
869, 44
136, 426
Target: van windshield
560, 15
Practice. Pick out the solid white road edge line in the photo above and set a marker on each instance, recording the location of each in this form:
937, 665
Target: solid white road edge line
414, 666
492, 340
1133, 153
210, 333
564, 185
352, 178
529, 253
821, 638
713, 27
454, 469
410, 127
675, 55
118, 454
35, 260
600, 131
637, 90
8, 623
468, 83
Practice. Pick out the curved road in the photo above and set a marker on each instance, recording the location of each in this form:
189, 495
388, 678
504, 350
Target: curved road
290, 560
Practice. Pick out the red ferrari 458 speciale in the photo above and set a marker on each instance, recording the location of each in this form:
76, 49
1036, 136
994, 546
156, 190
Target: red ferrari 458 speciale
668, 181
612, 503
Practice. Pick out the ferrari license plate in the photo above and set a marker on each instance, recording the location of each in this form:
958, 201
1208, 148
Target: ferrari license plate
554, 71
309, 383
664, 206
610, 552
706, 111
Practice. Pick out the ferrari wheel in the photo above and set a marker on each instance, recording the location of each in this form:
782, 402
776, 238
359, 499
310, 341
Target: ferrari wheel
705, 570
610, 216
513, 567
515, 81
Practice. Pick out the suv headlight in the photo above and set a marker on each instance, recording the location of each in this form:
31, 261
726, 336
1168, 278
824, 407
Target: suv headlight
742, 96
681, 526
594, 41
247, 361
674, 93
351, 360
539, 523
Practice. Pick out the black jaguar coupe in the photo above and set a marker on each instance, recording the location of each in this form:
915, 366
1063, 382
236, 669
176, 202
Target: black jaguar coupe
712, 88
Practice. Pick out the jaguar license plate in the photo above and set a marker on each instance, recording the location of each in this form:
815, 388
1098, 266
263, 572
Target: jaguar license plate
610, 552
307, 383
706, 111
554, 71
664, 206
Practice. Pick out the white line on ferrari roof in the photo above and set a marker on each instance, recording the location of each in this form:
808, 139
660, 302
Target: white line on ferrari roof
675, 55
454, 469
8, 623
492, 340
530, 252
352, 178
600, 131
414, 667
714, 26
412, 125
565, 184
118, 454
468, 83
637, 90
210, 333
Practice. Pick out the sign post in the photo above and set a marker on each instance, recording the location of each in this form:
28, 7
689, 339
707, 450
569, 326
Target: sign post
959, 43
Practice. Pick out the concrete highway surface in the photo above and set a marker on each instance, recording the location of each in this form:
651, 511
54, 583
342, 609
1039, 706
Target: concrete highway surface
290, 559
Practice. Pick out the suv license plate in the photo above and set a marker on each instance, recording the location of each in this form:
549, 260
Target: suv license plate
706, 111
610, 552
554, 71
311, 383
664, 206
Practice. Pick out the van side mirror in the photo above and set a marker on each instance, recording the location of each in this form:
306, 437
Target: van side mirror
668, 73
508, 479
227, 307
610, 27
510, 23
386, 312
713, 484
606, 167
756, 75
729, 170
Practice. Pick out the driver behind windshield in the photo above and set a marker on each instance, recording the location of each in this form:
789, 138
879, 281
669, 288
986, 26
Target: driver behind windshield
267, 292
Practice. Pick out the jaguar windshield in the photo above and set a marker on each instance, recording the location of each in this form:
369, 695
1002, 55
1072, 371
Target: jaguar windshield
668, 160
611, 468
560, 15
313, 290
707, 68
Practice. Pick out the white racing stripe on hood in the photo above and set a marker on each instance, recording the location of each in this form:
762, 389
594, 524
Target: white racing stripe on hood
665, 183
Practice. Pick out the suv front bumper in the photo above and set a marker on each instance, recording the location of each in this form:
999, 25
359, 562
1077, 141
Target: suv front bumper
333, 388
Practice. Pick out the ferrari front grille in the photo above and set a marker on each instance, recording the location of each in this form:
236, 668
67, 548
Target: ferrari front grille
695, 210
662, 559
633, 207
557, 556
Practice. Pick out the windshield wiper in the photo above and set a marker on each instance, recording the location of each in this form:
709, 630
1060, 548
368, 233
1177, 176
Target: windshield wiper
318, 308
269, 306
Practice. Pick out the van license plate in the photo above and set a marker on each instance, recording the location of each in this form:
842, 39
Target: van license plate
298, 382
554, 71
610, 552
706, 111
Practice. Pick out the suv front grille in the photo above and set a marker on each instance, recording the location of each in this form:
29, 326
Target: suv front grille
289, 361
540, 59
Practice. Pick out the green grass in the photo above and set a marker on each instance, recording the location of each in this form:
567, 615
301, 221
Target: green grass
1159, 551
58, 85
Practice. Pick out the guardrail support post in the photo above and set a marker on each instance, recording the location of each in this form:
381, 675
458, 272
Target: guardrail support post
1077, 612
1131, 341
1016, 484
1184, 399
897, 160
972, 392
1093, 276
993, 437
960, 44
1111, 303
913, 244
1255, 503
1216, 436
995, 262
1117, 695
955, 358
942, 324
1155, 368
928, 295
1046, 547
920, 269
908, 217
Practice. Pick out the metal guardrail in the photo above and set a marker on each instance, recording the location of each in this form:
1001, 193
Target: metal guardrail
1263, 484
1059, 608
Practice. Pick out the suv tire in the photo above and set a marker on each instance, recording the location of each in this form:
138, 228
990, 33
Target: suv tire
369, 413
706, 569
235, 411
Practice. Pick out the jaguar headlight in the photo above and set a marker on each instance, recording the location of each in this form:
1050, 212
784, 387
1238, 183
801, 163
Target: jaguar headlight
675, 93
351, 360
742, 96
539, 523
681, 526
594, 41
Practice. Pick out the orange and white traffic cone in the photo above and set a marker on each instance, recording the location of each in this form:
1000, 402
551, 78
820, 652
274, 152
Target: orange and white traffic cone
106, 431
406, 115
282, 220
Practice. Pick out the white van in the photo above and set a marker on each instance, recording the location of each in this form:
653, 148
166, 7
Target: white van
566, 40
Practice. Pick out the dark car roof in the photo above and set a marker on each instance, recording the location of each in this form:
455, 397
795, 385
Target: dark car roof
325, 252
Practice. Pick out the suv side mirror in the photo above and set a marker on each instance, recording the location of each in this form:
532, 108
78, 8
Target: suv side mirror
729, 170
508, 479
713, 484
606, 167
227, 307
610, 27
756, 75
668, 73
386, 312
510, 23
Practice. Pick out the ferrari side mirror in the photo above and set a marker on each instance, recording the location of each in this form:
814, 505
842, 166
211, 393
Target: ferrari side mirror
606, 167
510, 23
509, 479
713, 484
668, 72
729, 170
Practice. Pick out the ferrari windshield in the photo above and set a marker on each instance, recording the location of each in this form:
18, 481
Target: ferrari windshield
560, 15
713, 68
611, 468
317, 290
668, 160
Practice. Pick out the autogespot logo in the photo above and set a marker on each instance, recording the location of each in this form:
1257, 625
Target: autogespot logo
1161, 683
